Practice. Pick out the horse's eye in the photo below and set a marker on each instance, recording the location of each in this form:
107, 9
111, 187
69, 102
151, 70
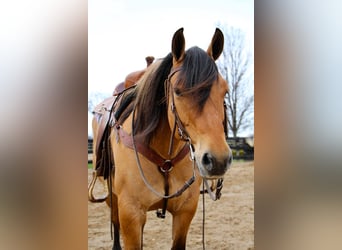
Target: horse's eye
178, 92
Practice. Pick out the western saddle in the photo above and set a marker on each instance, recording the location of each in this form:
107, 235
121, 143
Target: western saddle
108, 113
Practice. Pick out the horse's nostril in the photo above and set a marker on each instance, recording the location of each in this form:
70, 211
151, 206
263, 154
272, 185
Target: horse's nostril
207, 159
230, 160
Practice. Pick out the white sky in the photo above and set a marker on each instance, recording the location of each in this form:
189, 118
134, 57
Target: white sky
123, 32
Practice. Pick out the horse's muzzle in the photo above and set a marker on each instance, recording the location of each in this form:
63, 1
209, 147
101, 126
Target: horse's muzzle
214, 167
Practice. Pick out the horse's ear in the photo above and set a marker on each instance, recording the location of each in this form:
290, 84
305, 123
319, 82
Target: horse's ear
216, 46
178, 45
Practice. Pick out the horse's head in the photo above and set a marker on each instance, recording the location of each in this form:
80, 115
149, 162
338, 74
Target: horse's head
196, 93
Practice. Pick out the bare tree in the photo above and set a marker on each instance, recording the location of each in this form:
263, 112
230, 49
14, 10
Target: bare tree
95, 98
236, 66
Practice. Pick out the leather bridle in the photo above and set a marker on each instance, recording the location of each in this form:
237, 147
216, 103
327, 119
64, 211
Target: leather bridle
184, 135
182, 132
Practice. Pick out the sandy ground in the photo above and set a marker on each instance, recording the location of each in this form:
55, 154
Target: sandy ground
229, 222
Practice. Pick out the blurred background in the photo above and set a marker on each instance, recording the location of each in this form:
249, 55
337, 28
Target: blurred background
297, 125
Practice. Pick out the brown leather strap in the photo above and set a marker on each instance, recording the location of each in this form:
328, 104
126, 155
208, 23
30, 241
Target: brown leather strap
168, 87
148, 152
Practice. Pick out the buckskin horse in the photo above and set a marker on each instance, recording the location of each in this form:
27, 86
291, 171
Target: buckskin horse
164, 136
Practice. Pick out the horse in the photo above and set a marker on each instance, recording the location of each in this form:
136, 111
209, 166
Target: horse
168, 138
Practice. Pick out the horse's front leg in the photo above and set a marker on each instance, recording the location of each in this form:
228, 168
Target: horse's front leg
132, 222
115, 220
180, 226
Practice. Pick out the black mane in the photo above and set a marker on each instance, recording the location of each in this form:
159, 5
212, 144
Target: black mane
151, 101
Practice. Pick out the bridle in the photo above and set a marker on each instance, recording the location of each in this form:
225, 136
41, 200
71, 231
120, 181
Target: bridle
184, 135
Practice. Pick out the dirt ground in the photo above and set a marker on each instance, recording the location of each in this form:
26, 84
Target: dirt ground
229, 222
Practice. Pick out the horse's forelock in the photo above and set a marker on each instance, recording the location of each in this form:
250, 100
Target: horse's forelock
198, 74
